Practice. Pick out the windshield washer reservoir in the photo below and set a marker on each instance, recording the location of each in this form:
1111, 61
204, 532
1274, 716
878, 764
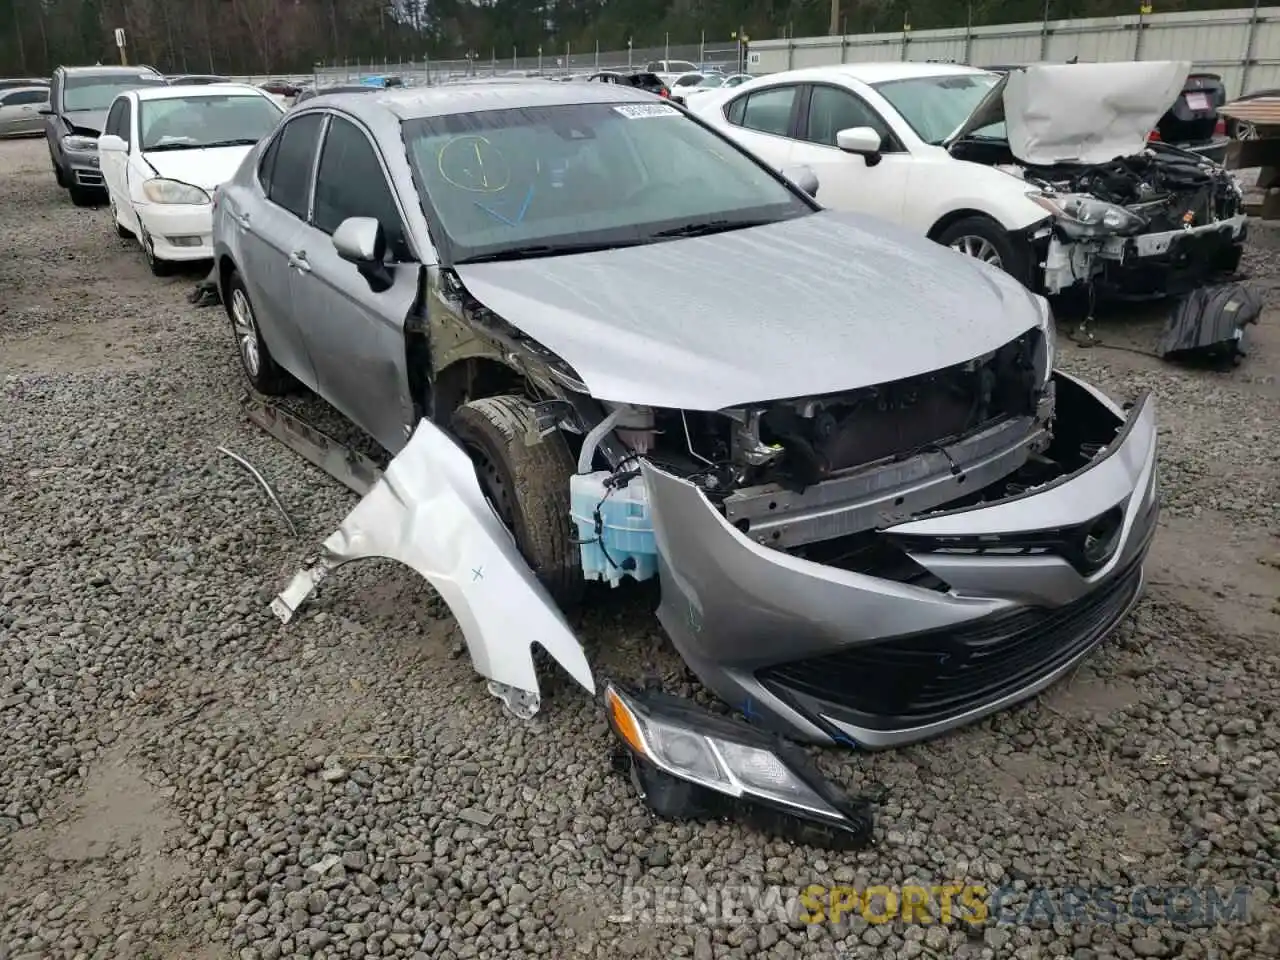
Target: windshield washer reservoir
624, 544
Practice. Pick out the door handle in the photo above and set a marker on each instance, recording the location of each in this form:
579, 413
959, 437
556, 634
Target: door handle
242, 219
298, 260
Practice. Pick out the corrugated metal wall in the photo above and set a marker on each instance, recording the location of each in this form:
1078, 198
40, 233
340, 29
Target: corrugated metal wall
1243, 46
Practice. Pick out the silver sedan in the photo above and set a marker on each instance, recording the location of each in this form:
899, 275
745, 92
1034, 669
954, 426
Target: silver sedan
20, 114
600, 341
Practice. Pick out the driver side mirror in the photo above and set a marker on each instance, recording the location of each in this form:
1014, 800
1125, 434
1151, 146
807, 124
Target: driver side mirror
863, 141
110, 143
361, 241
802, 176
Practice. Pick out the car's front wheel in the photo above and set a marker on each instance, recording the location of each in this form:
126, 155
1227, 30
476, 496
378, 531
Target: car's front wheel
266, 376
984, 239
528, 487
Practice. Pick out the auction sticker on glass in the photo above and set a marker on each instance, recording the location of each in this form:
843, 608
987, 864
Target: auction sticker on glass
642, 111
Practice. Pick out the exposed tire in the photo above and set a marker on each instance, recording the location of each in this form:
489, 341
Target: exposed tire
158, 267
984, 239
261, 369
85, 196
529, 487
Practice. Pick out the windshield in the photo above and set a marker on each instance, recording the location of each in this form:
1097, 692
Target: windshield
96, 92
179, 123
584, 175
934, 107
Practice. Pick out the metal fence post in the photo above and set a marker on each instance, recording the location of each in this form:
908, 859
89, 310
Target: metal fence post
968, 35
906, 38
791, 49
1142, 29
1044, 32
1249, 51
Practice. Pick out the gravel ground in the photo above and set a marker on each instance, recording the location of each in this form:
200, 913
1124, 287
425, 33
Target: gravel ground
181, 776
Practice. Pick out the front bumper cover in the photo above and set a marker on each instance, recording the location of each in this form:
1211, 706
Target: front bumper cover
785, 640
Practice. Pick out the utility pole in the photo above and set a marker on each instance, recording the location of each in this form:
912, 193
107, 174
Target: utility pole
833, 29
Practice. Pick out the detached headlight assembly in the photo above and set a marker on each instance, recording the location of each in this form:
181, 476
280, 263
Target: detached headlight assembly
1081, 216
160, 190
689, 763
75, 143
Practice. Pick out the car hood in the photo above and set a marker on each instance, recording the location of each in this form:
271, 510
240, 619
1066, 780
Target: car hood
89, 122
205, 169
814, 305
1079, 112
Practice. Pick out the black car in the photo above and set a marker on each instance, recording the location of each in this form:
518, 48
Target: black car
78, 101
642, 80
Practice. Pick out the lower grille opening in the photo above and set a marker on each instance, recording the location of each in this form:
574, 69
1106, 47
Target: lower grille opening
870, 553
937, 676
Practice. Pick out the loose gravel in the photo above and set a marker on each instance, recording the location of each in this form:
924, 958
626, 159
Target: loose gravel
182, 776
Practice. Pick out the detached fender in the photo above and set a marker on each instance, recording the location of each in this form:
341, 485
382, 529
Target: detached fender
428, 512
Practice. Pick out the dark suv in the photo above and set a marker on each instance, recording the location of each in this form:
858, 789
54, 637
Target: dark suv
78, 102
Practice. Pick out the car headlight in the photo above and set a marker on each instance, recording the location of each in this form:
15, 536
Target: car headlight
75, 143
1082, 216
160, 190
689, 762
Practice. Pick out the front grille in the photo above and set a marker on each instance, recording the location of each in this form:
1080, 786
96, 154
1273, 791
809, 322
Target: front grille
932, 677
87, 179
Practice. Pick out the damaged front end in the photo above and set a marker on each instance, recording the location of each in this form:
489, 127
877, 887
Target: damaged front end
1163, 222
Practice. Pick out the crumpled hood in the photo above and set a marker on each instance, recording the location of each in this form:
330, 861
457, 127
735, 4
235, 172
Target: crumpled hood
88, 122
205, 169
814, 305
1088, 112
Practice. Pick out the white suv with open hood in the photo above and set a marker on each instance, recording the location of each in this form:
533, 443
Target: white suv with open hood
1045, 171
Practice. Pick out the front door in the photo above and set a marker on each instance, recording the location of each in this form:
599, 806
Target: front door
846, 181
355, 332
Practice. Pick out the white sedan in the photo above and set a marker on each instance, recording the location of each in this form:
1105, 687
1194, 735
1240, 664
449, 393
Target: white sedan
164, 151
1045, 172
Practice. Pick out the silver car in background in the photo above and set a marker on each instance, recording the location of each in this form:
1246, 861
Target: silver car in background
20, 111
875, 510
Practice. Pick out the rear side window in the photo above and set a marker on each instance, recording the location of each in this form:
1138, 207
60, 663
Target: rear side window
768, 111
22, 97
291, 157
351, 184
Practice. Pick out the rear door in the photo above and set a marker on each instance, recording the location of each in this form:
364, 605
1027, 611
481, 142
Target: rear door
355, 334
269, 230
765, 120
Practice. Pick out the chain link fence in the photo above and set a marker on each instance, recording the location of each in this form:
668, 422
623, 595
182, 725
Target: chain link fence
565, 61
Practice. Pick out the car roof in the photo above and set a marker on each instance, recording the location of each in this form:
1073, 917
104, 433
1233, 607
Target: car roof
107, 70
178, 90
878, 72
412, 103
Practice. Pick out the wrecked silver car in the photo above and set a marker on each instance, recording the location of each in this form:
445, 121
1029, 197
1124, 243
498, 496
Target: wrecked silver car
599, 341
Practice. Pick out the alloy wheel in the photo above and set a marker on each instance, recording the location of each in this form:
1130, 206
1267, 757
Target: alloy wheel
980, 248
246, 331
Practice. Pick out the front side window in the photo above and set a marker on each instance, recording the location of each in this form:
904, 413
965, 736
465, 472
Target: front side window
95, 92
768, 111
351, 183
200, 121
935, 107
290, 185
113, 125
584, 175
690, 80
832, 110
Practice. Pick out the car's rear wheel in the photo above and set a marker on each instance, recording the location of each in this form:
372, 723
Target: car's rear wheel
528, 487
266, 376
984, 239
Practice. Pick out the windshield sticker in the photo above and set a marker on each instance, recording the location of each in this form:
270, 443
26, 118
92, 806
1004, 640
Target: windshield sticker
641, 111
